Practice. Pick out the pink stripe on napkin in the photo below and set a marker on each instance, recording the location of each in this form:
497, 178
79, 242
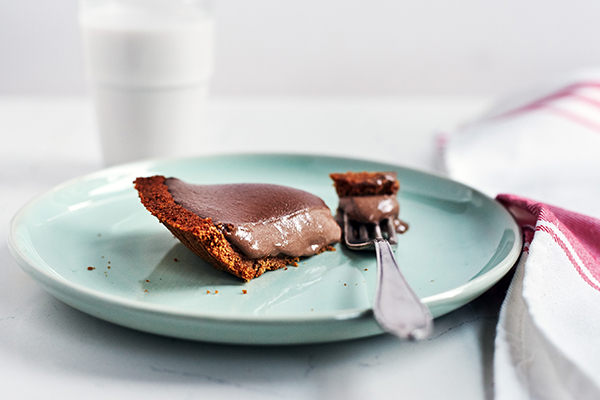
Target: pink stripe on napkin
578, 235
576, 94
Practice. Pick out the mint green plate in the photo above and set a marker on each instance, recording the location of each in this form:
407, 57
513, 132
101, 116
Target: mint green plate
90, 243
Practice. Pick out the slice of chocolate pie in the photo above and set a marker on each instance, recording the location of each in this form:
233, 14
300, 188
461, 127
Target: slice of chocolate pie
243, 229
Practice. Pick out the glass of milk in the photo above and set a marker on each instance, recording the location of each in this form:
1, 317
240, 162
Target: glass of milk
150, 64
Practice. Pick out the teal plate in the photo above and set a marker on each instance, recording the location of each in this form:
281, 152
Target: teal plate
90, 243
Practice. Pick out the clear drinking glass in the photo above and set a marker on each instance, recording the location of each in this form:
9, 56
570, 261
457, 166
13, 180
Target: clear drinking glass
149, 63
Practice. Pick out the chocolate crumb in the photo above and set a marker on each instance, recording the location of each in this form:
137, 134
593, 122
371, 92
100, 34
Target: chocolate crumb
91, 268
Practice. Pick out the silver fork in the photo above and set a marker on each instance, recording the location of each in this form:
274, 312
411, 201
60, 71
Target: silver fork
397, 309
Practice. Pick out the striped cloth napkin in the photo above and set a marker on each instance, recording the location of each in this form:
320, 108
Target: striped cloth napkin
543, 147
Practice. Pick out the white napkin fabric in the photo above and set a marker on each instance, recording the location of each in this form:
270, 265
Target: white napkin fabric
543, 147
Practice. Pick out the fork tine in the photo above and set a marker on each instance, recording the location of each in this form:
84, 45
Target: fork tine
378, 233
349, 234
363, 233
391, 231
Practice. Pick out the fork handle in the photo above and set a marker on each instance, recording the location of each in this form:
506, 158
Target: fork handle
397, 308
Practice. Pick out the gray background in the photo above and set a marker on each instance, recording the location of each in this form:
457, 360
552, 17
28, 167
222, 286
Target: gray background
334, 47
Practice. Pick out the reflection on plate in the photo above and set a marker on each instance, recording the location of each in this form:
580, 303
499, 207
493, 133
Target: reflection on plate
91, 244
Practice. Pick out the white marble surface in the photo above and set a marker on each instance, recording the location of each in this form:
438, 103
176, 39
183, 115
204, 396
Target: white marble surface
50, 350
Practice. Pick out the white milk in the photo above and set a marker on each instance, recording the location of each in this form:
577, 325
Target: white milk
150, 63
